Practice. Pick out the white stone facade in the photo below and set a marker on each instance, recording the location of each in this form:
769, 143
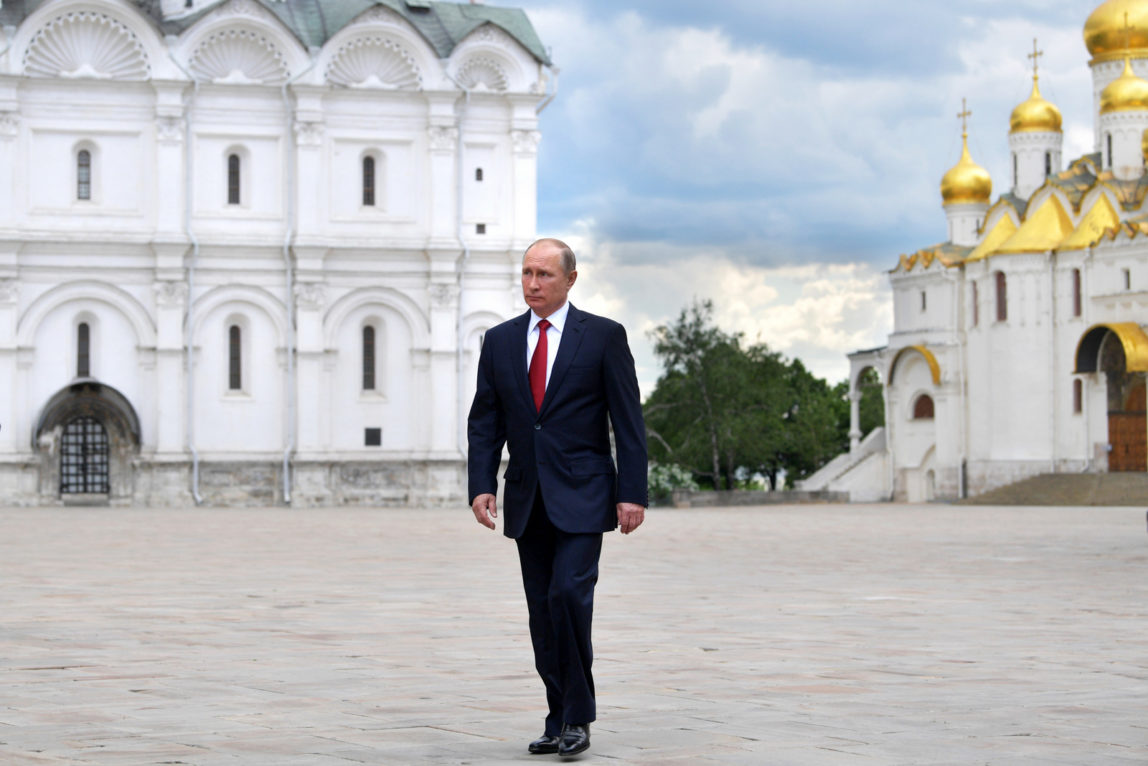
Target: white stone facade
238, 254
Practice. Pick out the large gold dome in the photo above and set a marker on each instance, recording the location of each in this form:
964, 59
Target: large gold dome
1125, 94
966, 182
1036, 115
1104, 32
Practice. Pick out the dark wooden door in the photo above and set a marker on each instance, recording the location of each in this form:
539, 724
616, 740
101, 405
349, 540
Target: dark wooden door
1129, 440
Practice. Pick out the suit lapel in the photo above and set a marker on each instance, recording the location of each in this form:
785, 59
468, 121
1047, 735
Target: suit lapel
572, 335
518, 349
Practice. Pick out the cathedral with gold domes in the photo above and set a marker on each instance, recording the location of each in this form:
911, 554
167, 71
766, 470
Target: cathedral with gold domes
1020, 343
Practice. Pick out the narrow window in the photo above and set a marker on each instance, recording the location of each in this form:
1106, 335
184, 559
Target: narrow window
372, 437
1002, 297
1127, 279
84, 174
923, 303
1109, 150
368, 358
83, 351
1076, 303
1077, 396
976, 306
234, 359
233, 179
369, 181
480, 228
1015, 172
478, 174
923, 408
1047, 164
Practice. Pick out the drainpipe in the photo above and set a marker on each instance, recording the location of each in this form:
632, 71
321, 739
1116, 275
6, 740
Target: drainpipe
289, 271
460, 341
190, 320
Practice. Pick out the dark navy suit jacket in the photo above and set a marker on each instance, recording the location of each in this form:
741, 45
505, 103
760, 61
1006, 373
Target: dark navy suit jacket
565, 446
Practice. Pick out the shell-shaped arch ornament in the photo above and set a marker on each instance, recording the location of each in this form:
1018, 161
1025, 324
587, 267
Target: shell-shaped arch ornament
482, 73
239, 56
374, 62
86, 44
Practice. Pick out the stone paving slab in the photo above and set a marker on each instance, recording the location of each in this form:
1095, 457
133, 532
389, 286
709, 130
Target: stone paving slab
804, 635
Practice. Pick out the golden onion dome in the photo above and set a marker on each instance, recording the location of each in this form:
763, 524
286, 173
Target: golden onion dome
966, 182
1106, 34
1036, 115
1126, 93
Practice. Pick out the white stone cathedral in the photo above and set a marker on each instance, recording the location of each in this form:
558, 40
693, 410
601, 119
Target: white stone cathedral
248, 248
1019, 344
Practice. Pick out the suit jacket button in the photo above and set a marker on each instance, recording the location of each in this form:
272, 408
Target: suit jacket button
537, 426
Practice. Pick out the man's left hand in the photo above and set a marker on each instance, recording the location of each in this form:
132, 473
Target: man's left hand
630, 517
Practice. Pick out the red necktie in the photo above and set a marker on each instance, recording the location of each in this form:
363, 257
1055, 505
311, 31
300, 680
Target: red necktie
538, 366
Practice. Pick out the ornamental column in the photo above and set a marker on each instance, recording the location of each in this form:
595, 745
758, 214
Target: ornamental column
854, 419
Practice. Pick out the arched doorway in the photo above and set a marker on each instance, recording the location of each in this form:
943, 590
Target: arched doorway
87, 437
1120, 351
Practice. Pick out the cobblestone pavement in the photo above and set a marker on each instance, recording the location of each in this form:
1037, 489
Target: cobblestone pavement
784, 635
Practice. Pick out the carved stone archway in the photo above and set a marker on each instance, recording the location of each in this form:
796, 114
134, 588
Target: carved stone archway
87, 437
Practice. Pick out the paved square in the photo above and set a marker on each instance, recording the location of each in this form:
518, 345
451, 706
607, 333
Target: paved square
783, 635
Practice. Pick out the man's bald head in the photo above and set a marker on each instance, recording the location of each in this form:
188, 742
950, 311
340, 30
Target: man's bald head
569, 263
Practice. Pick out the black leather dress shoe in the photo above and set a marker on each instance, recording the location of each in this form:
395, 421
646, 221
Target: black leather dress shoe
544, 745
575, 739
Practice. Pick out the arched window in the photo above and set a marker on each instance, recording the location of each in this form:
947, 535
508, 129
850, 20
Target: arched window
1047, 164
924, 303
1076, 302
83, 351
1109, 142
1002, 297
84, 174
234, 358
233, 179
976, 306
368, 358
923, 408
1127, 279
1077, 396
369, 181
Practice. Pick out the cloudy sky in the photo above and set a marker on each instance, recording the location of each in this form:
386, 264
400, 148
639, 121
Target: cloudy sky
777, 156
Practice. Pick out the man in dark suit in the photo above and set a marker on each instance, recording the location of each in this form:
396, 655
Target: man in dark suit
551, 382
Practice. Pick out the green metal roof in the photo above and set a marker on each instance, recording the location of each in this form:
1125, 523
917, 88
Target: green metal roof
314, 22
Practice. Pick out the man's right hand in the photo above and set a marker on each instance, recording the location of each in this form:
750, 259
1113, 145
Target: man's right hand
485, 509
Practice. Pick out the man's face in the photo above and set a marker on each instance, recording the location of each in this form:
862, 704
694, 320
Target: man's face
544, 283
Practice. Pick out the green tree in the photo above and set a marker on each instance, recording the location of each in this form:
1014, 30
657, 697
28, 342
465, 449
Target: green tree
720, 407
872, 404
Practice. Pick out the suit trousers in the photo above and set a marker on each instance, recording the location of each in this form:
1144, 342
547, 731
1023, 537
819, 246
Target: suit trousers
559, 571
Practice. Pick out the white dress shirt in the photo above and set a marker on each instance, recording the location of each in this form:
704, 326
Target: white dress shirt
553, 337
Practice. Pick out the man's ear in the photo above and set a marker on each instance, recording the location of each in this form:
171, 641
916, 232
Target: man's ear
572, 276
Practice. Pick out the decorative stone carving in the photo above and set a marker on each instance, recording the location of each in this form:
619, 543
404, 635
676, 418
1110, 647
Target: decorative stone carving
488, 33
443, 296
483, 73
310, 295
239, 56
308, 133
374, 61
525, 141
9, 124
86, 44
168, 129
170, 295
378, 15
9, 291
442, 138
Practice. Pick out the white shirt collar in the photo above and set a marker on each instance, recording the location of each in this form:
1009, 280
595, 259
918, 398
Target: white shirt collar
557, 319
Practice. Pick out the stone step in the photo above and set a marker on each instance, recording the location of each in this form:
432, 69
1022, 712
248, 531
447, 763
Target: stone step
1122, 489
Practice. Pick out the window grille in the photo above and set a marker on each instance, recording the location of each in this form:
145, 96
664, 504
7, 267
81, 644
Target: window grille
84, 457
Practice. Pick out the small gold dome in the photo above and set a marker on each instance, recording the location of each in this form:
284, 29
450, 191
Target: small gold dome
966, 182
1126, 93
1105, 35
1036, 115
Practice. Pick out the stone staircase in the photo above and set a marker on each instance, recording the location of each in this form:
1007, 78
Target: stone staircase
1070, 489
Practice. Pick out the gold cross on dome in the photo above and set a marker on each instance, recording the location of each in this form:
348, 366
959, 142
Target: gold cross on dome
964, 116
1034, 56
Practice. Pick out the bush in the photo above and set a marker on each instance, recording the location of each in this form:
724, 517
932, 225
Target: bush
665, 478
